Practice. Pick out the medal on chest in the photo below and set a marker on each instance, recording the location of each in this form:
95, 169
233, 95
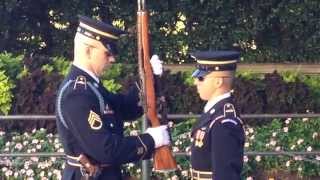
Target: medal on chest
199, 137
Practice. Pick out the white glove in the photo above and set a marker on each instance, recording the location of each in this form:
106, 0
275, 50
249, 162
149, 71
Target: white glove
160, 135
156, 65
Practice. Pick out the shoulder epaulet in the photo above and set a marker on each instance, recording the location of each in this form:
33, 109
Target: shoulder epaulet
229, 113
229, 110
80, 81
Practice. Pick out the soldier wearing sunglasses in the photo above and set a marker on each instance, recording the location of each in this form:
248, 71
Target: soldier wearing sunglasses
218, 136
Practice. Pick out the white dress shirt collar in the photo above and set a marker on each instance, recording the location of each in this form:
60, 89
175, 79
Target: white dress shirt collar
214, 101
88, 72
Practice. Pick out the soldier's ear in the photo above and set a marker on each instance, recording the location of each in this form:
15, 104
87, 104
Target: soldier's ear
218, 81
88, 51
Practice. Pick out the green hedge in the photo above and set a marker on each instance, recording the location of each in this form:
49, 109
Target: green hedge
30, 84
264, 31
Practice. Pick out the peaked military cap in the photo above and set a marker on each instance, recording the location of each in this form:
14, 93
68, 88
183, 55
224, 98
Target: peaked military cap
208, 61
100, 31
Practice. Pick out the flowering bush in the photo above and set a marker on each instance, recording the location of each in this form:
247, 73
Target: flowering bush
290, 135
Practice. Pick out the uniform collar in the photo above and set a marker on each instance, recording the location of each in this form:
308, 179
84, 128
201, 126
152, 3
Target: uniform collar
91, 74
214, 101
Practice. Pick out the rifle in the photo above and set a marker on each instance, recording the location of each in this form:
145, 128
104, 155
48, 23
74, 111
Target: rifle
163, 158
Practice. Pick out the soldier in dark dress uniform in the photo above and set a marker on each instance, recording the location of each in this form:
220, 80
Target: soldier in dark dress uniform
90, 119
218, 136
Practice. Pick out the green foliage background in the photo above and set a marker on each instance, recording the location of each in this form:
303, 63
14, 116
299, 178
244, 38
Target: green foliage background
264, 31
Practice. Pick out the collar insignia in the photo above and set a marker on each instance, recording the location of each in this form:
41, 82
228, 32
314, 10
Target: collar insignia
108, 110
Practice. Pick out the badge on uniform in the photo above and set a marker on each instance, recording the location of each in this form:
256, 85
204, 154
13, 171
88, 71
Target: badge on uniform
199, 138
95, 121
108, 110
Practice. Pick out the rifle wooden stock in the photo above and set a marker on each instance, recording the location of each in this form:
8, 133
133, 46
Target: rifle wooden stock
163, 158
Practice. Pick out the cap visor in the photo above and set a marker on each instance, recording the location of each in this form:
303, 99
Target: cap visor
199, 73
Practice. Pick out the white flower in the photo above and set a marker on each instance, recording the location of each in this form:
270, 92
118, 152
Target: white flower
252, 137
300, 141
309, 149
8, 144
305, 119
35, 159
57, 146
292, 147
25, 143
250, 130
267, 145
2, 133
18, 146
288, 163
273, 142
4, 169
318, 158
175, 149
23, 171
53, 159
38, 146
42, 129
299, 169
170, 124
274, 134
34, 130
287, 121
258, 158
285, 129
16, 174
61, 150
278, 148
35, 141
56, 172
314, 135
126, 124
245, 158
247, 133
8, 173
298, 158
29, 172
26, 134
253, 45
246, 144
249, 178
175, 177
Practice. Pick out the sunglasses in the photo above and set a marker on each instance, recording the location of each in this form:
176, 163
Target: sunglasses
201, 78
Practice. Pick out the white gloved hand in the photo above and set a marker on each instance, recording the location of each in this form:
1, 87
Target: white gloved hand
156, 65
160, 135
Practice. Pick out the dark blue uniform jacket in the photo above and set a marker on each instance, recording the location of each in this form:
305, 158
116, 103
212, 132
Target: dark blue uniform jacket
218, 141
95, 127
